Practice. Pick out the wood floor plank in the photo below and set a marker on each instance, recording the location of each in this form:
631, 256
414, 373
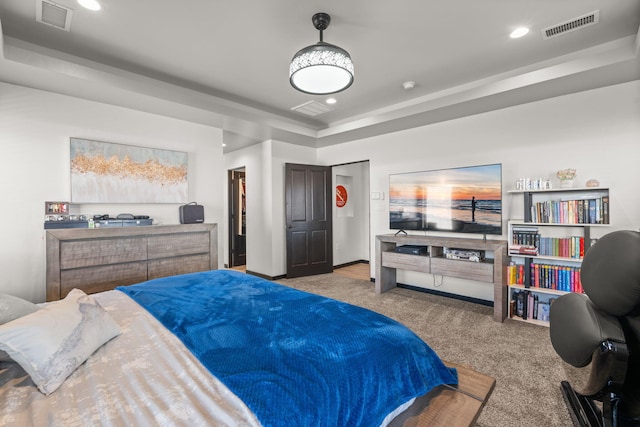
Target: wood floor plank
355, 271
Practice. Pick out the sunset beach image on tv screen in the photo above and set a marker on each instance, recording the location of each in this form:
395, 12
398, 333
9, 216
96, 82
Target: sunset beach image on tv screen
465, 200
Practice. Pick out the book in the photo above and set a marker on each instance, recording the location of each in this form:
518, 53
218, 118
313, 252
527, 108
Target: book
511, 274
520, 276
531, 305
543, 311
520, 304
523, 250
592, 211
580, 211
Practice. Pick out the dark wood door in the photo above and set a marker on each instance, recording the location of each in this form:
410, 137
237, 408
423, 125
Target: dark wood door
308, 220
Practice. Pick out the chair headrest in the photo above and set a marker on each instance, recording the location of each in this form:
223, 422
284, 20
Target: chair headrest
610, 272
578, 328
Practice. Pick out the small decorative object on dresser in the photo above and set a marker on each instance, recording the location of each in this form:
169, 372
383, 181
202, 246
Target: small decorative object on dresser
592, 183
191, 213
566, 177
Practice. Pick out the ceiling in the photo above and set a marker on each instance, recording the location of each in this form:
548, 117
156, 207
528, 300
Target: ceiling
225, 63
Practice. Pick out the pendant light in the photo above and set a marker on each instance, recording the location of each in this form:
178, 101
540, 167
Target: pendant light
322, 68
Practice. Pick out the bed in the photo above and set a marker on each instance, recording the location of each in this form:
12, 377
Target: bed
187, 353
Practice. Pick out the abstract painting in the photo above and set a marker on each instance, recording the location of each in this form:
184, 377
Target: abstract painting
103, 172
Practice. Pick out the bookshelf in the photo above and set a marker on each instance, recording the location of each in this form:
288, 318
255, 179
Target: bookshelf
547, 245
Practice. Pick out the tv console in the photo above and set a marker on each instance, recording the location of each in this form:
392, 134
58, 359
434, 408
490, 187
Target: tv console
388, 260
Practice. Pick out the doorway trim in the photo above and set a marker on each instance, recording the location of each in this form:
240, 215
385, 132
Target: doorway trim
236, 181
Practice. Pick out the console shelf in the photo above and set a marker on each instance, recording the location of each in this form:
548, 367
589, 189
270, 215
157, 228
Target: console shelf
388, 261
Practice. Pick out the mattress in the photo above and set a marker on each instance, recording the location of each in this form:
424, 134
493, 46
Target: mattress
144, 376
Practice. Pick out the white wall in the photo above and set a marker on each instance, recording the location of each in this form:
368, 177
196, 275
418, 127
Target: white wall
35, 128
258, 232
597, 132
264, 172
266, 233
351, 222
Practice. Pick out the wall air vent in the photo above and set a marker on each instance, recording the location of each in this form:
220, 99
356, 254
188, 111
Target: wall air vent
571, 25
312, 108
53, 14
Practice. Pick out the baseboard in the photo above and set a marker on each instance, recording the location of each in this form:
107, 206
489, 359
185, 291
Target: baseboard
264, 276
447, 295
284, 276
361, 261
400, 285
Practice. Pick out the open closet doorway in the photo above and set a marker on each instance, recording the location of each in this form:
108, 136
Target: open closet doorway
237, 218
351, 214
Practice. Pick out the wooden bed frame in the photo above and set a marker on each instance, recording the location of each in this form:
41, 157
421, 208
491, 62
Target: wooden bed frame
447, 406
97, 260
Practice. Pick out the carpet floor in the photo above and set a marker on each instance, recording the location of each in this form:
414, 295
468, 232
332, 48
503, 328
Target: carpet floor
518, 355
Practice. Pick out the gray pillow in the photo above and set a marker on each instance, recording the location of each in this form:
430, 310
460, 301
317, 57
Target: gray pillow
12, 308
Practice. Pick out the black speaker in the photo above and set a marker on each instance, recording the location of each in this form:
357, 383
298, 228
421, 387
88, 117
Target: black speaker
191, 213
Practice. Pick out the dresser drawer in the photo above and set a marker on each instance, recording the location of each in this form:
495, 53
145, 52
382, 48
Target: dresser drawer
170, 245
406, 261
480, 271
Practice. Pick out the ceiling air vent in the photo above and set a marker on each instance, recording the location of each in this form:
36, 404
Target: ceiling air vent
571, 25
50, 13
312, 108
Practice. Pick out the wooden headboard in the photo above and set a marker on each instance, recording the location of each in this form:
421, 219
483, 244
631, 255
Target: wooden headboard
100, 259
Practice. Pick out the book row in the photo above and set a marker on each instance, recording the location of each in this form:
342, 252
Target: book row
546, 276
532, 243
581, 211
527, 305
568, 247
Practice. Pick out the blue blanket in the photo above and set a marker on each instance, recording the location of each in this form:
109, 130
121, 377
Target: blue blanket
294, 358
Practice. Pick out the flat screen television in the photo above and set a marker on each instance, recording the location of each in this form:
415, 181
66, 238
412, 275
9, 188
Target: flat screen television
461, 200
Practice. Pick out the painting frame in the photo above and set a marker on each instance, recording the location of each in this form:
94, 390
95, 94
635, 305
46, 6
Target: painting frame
107, 172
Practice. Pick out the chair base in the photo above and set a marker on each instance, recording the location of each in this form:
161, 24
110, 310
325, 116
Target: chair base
585, 413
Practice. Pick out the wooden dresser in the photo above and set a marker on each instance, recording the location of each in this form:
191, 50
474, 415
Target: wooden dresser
97, 260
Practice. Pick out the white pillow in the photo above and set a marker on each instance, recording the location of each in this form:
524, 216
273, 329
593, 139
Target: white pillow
12, 308
52, 342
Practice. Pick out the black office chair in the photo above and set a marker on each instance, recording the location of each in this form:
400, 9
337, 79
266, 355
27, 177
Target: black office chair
599, 333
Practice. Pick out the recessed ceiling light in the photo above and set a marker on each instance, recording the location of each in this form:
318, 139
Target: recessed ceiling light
90, 4
519, 32
408, 85
331, 101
